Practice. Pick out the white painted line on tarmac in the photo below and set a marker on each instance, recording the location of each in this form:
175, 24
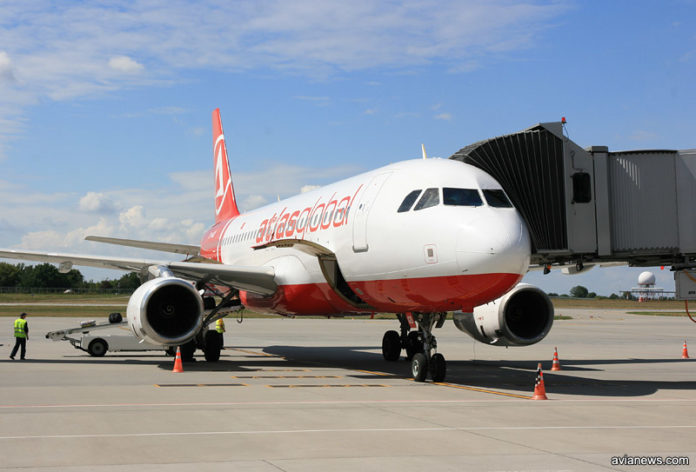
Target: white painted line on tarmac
348, 402
346, 430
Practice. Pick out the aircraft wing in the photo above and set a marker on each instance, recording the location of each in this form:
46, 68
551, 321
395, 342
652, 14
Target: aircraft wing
187, 249
259, 280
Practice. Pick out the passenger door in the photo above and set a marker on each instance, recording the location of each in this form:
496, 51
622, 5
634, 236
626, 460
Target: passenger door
367, 200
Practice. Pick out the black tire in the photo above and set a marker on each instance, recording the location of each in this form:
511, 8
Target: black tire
97, 348
391, 346
438, 367
414, 344
187, 351
115, 318
213, 346
419, 367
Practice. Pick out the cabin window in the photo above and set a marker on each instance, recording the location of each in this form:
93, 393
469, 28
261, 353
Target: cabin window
430, 198
461, 197
408, 201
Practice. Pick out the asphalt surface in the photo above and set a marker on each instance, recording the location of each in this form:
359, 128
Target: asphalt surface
316, 395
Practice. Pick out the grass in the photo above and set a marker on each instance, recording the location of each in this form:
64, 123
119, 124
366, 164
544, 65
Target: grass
657, 313
63, 298
559, 302
101, 308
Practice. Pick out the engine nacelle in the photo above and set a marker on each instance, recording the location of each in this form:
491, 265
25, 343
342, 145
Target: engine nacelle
165, 311
521, 317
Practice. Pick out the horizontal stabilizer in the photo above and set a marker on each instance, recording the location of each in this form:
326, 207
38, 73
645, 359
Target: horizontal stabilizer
187, 249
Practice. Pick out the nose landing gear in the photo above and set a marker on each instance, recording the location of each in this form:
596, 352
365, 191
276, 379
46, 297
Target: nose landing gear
420, 346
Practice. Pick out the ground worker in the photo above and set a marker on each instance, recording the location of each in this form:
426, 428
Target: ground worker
220, 326
21, 333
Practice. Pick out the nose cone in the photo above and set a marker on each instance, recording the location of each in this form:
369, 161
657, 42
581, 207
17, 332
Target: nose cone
497, 242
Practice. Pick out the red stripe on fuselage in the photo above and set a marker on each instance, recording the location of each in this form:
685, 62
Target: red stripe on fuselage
427, 294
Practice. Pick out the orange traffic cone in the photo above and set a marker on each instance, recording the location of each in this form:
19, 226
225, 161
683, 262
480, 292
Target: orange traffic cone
539, 389
685, 351
177, 363
555, 365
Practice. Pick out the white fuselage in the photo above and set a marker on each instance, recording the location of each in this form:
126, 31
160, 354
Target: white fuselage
440, 257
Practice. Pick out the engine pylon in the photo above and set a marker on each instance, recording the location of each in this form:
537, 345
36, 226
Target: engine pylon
178, 367
555, 365
685, 351
539, 389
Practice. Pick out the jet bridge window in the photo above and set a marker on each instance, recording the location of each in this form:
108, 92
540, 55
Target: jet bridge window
408, 201
461, 197
497, 198
430, 198
582, 188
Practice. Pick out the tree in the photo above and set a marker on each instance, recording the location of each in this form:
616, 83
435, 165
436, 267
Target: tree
129, 281
9, 274
579, 292
47, 276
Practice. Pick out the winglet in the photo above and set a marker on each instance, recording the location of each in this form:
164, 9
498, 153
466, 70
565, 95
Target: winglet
225, 202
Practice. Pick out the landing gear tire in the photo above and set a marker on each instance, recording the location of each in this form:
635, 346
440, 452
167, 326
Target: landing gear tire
414, 344
187, 351
391, 346
419, 367
97, 348
213, 346
438, 367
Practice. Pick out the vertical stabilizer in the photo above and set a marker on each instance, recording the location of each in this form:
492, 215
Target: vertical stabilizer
225, 202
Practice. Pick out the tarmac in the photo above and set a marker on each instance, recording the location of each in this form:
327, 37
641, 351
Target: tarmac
315, 395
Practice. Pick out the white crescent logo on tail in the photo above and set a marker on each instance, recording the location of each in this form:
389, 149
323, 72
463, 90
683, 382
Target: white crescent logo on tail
222, 186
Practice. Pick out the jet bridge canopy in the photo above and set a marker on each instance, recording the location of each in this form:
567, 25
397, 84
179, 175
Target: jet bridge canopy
591, 204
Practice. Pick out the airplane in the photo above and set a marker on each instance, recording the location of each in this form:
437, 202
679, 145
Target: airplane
417, 239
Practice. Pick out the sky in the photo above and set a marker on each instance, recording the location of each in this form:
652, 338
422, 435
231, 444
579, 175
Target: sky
105, 106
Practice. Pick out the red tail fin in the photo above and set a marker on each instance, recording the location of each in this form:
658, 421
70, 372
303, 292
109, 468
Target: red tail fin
225, 202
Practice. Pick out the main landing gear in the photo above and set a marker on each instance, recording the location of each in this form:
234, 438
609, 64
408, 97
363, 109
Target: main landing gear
420, 346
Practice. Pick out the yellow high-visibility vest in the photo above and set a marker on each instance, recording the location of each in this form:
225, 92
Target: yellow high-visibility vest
19, 326
220, 326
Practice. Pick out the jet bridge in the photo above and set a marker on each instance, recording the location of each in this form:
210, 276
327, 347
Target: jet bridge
586, 206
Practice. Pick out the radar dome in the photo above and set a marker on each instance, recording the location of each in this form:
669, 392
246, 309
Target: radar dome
646, 278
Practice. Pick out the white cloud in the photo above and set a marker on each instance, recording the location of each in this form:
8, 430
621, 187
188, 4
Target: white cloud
308, 188
125, 64
96, 203
6, 73
252, 202
444, 116
58, 50
178, 212
370, 111
134, 217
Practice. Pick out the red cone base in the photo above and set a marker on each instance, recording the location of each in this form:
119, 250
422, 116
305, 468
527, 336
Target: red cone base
178, 367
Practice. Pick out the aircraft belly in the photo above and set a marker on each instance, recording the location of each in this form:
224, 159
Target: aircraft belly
441, 293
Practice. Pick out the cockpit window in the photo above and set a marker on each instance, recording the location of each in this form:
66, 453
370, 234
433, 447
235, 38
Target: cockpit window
461, 197
408, 201
497, 198
430, 198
